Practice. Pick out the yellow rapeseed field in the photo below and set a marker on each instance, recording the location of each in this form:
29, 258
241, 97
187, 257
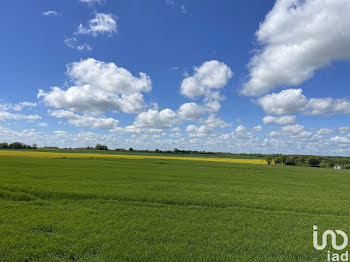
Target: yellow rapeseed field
91, 155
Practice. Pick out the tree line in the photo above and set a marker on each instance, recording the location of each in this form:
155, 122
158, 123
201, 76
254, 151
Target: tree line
279, 159
311, 161
17, 145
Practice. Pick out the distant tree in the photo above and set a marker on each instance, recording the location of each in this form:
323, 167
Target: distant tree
17, 145
289, 161
327, 163
131, 149
268, 159
347, 166
101, 147
343, 161
278, 160
157, 150
176, 151
4, 145
313, 161
299, 160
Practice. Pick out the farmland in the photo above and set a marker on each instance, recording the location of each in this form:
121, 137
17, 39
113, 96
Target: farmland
73, 207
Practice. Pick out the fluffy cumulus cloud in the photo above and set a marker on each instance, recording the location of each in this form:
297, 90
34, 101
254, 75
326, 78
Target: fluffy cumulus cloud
98, 87
279, 120
292, 129
199, 131
324, 131
340, 140
209, 127
290, 101
4, 115
102, 24
214, 122
258, 128
210, 76
328, 106
344, 129
85, 120
297, 38
286, 102
190, 111
17, 107
153, 119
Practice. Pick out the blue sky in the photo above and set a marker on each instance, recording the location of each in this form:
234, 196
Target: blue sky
237, 76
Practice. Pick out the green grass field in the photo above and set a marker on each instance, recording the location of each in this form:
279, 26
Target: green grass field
165, 210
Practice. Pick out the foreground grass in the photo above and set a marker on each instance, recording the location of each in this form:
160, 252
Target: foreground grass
118, 209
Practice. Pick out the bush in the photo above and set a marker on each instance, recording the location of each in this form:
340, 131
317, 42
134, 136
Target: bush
347, 166
101, 147
290, 161
278, 160
313, 161
268, 159
327, 164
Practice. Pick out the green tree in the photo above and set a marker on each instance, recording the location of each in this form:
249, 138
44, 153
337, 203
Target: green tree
313, 161
278, 160
289, 161
268, 159
101, 147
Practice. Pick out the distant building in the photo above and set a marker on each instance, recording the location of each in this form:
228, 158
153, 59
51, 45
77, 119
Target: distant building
339, 167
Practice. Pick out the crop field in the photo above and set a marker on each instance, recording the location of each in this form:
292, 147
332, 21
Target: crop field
80, 208
128, 156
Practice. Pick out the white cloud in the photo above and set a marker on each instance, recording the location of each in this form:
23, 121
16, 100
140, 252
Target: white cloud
7, 115
156, 120
213, 122
328, 106
212, 106
28, 104
297, 38
85, 120
293, 129
241, 129
210, 127
190, 111
42, 124
241, 133
177, 5
72, 43
201, 131
286, 102
49, 13
343, 129
17, 107
258, 128
211, 75
99, 86
279, 120
324, 131
340, 139
274, 133
101, 24
91, 1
